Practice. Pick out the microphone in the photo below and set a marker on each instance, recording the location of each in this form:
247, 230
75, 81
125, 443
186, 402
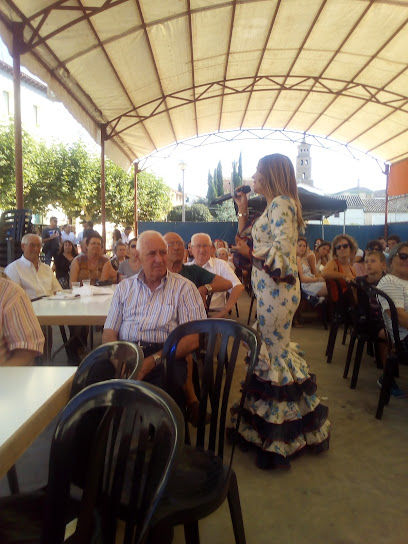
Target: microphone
243, 189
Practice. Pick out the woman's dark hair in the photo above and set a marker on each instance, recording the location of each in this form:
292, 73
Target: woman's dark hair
323, 243
74, 251
116, 236
374, 245
94, 235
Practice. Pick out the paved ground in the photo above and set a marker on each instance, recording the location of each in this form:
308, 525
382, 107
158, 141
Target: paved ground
354, 494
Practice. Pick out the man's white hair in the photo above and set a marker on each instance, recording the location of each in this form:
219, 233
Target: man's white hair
146, 234
221, 250
194, 237
26, 238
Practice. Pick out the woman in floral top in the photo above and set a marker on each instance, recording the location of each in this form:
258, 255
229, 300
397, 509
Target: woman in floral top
282, 413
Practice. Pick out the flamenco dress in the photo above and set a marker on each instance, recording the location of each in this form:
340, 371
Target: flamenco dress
282, 414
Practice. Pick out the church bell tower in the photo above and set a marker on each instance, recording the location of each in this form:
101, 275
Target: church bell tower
304, 164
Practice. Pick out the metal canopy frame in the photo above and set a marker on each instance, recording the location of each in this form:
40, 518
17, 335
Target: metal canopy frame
331, 68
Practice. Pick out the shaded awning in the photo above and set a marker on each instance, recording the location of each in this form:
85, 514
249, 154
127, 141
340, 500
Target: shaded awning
156, 72
314, 207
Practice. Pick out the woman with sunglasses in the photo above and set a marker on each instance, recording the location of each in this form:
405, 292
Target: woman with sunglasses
341, 266
130, 266
395, 285
274, 420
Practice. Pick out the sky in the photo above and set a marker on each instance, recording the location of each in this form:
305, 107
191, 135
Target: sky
332, 171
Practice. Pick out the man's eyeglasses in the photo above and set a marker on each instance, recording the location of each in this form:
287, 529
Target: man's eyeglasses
201, 246
133, 246
403, 256
339, 246
175, 244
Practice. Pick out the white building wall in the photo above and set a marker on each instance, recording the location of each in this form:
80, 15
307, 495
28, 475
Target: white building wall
41, 116
353, 217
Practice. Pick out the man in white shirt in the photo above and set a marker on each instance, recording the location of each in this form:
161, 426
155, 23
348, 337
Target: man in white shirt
67, 235
126, 235
36, 278
201, 246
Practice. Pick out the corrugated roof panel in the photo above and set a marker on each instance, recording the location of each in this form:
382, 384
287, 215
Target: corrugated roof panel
173, 63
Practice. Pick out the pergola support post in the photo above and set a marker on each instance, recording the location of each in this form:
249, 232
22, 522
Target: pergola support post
136, 165
18, 141
387, 173
103, 200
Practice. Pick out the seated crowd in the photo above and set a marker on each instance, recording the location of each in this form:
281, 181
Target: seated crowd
147, 309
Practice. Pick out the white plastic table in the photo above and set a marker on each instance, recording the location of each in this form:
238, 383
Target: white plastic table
88, 310
30, 397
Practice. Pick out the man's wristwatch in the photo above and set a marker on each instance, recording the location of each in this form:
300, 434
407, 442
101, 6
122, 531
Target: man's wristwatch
156, 359
209, 288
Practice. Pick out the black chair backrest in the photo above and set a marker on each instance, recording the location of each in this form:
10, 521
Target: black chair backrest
372, 290
221, 340
133, 451
106, 362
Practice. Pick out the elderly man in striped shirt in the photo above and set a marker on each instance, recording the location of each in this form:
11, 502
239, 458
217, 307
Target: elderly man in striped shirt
148, 306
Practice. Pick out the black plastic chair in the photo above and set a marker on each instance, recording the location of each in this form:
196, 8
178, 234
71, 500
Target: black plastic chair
396, 355
363, 329
15, 223
134, 449
112, 360
202, 481
338, 304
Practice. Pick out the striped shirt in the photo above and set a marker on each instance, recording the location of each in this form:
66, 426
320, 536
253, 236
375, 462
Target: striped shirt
19, 327
397, 290
138, 314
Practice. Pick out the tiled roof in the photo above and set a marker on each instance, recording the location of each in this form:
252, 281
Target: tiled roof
24, 77
353, 201
377, 205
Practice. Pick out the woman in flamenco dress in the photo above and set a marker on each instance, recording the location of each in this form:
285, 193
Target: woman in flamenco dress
282, 413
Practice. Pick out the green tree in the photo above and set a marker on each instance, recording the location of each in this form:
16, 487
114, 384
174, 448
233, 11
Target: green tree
211, 192
220, 181
196, 212
225, 211
7, 166
154, 197
240, 168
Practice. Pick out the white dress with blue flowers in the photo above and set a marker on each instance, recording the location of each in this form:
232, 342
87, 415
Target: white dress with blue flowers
282, 413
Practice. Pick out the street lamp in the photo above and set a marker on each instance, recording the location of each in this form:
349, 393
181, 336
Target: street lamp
183, 166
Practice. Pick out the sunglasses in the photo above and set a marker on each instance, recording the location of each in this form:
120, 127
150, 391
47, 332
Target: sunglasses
403, 256
133, 246
339, 246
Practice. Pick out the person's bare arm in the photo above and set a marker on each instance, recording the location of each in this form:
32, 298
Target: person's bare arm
109, 273
311, 259
109, 335
302, 277
402, 317
235, 293
220, 284
21, 357
73, 272
186, 345
331, 272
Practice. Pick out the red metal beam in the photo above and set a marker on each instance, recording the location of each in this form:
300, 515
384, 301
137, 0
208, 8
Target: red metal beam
18, 142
